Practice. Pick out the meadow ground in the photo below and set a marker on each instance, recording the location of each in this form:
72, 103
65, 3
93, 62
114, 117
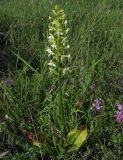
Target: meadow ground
92, 91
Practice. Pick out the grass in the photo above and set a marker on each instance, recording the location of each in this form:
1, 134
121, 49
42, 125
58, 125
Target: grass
95, 38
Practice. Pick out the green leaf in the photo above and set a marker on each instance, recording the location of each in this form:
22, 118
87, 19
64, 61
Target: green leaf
76, 138
72, 135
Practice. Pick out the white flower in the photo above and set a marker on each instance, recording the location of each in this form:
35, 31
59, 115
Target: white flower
51, 64
51, 38
50, 18
59, 33
64, 41
53, 45
65, 56
65, 70
65, 22
67, 30
68, 56
49, 51
68, 46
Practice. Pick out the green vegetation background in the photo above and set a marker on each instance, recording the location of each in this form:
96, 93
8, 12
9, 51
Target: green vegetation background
96, 48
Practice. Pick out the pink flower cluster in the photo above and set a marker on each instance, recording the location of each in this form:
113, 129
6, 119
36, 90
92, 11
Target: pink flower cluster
9, 82
119, 113
97, 105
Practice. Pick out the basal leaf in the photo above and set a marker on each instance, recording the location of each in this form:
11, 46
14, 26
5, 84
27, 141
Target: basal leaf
72, 135
76, 138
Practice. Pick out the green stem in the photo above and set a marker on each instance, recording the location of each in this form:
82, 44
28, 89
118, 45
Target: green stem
61, 108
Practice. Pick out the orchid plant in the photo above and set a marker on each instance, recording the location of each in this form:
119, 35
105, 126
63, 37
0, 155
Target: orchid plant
56, 49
